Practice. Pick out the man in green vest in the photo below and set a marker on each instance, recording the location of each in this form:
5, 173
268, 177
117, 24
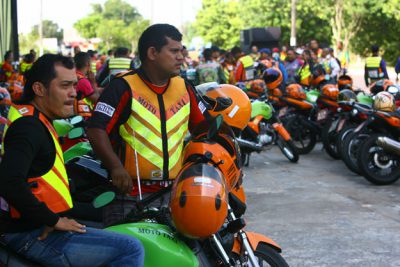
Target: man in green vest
244, 70
375, 67
119, 63
34, 186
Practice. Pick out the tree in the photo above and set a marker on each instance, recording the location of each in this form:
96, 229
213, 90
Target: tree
117, 24
217, 22
50, 30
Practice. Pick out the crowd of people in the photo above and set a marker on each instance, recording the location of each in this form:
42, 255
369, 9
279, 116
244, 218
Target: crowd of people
296, 64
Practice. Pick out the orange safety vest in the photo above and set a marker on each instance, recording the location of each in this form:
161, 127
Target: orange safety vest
52, 188
155, 129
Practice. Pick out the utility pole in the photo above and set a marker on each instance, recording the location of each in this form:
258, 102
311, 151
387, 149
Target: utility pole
41, 29
293, 28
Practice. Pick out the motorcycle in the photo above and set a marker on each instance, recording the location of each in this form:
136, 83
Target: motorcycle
376, 164
295, 112
265, 129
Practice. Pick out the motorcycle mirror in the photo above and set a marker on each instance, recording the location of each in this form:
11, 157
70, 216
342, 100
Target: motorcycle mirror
103, 199
76, 133
393, 90
77, 119
62, 127
215, 125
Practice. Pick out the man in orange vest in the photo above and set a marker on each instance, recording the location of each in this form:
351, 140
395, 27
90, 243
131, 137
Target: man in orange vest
141, 119
34, 186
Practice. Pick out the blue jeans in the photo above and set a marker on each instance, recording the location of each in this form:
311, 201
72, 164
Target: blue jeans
93, 248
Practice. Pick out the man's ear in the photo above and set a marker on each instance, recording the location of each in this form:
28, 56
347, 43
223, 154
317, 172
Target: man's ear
38, 89
152, 53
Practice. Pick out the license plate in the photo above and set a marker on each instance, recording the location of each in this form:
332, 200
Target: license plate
322, 114
282, 112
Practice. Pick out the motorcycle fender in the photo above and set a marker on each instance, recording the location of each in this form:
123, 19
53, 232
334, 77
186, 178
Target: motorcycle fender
163, 247
282, 131
254, 240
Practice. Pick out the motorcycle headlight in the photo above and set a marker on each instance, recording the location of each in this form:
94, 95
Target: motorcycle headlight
354, 112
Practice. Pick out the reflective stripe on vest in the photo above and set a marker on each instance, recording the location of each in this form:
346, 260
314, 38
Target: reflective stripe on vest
248, 65
373, 67
25, 66
51, 188
156, 129
119, 64
93, 67
305, 75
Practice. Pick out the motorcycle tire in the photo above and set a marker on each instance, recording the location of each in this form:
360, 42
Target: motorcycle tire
340, 138
351, 144
270, 256
378, 166
303, 134
288, 149
329, 137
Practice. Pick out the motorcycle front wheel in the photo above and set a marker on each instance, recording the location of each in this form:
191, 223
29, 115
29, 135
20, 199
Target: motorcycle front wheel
288, 149
268, 256
303, 134
378, 166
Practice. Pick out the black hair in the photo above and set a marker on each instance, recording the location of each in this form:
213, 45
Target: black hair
43, 71
29, 58
207, 54
7, 54
110, 52
214, 48
81, 60
121, 52
155, 36
375, 48
308, 52
91, 52
235, 50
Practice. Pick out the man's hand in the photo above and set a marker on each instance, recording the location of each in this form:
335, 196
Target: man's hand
122, 180
63, 224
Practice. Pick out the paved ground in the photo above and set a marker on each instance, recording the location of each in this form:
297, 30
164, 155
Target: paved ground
322, 214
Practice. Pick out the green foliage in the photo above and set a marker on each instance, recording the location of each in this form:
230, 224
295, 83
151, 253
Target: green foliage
50, 30
359, 23
117, 24
218, 23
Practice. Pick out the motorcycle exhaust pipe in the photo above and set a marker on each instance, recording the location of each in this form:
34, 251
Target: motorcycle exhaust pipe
389, 145
245, 144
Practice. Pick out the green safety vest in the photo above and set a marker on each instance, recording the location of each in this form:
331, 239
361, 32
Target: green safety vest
248, 65
372, 65
119, 64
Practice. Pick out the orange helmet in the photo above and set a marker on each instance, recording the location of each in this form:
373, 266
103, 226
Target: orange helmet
330, 91
257, 87
222, 150
296, 91
384, 101
199, 201
345, 82
380, 86
272, 78
230, 102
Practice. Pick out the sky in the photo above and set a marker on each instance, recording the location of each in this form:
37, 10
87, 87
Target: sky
66, 12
